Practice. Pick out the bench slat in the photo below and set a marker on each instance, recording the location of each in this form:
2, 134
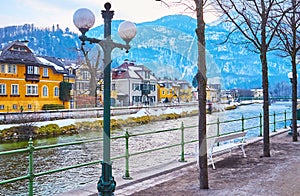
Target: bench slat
230, 136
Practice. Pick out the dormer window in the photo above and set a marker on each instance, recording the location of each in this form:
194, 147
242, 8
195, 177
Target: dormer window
147, 75
18, 48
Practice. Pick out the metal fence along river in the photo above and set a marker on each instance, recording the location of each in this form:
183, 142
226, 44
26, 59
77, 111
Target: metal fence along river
56, 165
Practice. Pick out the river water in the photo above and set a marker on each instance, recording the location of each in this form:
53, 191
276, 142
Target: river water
17, 165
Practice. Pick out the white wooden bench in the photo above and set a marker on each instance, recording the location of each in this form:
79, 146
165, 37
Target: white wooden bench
226, 143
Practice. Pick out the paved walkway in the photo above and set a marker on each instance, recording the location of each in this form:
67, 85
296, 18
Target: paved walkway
235, 175
254, 175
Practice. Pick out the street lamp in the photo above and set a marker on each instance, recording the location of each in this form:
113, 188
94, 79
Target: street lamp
294, 104
84, 19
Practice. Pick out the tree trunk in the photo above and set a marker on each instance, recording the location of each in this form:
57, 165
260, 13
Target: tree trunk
294, 100
294, 70
202, 82
265, 80
265, 84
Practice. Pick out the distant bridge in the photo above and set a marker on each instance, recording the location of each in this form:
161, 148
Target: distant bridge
271, 98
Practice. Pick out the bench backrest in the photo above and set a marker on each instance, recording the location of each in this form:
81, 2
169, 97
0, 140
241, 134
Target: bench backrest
230, 136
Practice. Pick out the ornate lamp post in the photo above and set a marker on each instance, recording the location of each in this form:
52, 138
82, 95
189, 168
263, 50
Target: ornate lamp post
84, 19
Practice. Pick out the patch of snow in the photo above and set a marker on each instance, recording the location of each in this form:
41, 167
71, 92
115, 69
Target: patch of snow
46, 62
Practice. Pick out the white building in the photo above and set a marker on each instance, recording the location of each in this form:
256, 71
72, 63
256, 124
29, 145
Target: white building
134, 84
258, 93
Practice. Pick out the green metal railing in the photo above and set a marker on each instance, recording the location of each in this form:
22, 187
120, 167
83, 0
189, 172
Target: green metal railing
277, 120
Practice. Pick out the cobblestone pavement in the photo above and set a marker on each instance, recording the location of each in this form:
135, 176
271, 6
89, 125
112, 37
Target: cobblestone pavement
234, 175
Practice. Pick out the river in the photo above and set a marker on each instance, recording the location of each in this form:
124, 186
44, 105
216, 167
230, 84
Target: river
13, 166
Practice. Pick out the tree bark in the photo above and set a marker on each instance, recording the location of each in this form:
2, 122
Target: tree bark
294, 70
265, 80
202, 83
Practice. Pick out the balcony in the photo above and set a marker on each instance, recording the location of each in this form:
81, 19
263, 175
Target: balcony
32, 77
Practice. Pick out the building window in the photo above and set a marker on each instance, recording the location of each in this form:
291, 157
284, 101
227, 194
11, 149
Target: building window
113, 87
12, 69
1, 107
29, 106
15, 106
45, 91
45, 72
85, 75
136, 87
15, 89
33, 70
2, 89
36, 70
3, 68
56, 91
152, 87
31, 90
30, 69
136, 99
163, 92
18, 48
147, 75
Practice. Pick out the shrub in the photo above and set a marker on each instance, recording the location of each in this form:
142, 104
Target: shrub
53, 107
50, 129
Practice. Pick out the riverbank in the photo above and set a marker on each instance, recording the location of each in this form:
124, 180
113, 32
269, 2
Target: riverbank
48, 129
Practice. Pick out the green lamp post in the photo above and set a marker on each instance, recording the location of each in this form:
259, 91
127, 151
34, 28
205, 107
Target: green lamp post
84, 19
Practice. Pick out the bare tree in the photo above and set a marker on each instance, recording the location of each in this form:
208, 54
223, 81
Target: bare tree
92, 62
289, 35
197, 6
258, 21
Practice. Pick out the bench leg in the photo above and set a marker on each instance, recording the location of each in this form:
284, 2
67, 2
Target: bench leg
197, 154
244, 153
212, 161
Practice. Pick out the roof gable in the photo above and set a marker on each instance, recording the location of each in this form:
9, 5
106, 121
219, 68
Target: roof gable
17, 52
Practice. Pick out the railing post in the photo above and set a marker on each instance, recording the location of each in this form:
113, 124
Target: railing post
260, 125
30, 169
182, 144
274, 122
284, 118
127, 176
243, 123
218, 129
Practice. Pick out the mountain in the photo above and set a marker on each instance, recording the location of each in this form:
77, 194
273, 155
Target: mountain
168, 46
47, 42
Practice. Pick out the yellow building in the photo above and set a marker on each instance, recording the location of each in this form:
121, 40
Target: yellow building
174, 91
165, 92
27, 82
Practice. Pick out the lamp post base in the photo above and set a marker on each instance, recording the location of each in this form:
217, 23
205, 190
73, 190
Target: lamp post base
106, 184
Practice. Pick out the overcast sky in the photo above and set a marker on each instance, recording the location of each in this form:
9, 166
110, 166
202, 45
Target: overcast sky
45, 13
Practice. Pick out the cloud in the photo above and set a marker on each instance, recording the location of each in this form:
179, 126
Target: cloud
45, 13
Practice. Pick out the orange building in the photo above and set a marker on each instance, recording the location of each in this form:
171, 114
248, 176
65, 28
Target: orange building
27, 82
